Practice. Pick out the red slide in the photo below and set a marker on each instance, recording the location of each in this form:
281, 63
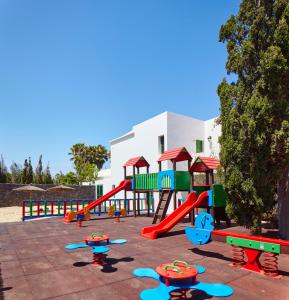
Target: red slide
169, 222
124, 185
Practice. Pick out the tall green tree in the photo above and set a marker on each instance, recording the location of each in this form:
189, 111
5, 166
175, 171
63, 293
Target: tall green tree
3, 171
30, 174
47, 178
16, 172
25, 171
39, 172
255, 109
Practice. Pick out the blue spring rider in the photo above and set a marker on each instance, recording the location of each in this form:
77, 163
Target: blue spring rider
98, 243
201, 233
166, 287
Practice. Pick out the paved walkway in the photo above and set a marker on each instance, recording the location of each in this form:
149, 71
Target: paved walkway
35, 265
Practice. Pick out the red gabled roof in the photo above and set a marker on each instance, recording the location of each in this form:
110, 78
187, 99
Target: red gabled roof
138, 162
176, 154
203, 164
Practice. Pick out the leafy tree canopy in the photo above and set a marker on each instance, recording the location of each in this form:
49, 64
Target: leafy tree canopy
255, 108
88, 160
68, 179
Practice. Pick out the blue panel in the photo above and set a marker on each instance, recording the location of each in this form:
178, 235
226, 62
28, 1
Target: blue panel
198, 236
170, 174
210, 200
204, 221
146, 272
162, 292
201, 233
75, 246
200, 269
80, 216
118, 241
132, 184
214, 289
99, 249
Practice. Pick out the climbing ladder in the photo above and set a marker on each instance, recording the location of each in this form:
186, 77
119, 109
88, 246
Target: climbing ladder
165, 198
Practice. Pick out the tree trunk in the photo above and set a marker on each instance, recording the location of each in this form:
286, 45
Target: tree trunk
283, 204
256, 229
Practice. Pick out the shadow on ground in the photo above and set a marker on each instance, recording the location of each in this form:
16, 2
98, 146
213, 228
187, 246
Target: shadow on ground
2, 288
190, 295
172, 233
210, 254
108, 267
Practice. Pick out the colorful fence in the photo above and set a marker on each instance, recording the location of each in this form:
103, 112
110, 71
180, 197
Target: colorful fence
47, 208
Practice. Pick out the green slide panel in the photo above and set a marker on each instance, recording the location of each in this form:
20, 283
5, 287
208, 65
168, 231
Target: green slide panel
246, 243
219, 196
200, 188
146, 181
182, 181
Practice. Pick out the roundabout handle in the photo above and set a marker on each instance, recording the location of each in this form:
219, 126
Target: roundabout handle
96, 234
181, 262
175, 268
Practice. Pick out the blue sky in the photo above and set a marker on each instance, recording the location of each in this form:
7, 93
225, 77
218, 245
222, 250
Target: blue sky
87, 71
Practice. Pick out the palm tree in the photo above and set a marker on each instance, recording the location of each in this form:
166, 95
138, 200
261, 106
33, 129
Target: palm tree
85, 155
99, 155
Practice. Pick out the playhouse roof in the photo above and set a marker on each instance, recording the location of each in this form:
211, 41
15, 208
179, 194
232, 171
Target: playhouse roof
176, 154
203, 164
138, 162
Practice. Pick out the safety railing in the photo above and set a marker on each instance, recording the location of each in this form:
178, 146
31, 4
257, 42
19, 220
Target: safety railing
32, 209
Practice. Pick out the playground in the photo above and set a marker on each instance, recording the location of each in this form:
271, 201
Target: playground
136, 248
35, 264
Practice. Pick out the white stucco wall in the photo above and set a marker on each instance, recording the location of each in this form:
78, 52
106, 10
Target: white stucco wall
178, 131
142, 140
184, 131
213, 130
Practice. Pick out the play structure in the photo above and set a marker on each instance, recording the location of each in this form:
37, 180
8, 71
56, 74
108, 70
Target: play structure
176, 278
98, 243
168, 183
252, 253
209, 196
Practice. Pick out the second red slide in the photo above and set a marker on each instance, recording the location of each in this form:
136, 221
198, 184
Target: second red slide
175, 217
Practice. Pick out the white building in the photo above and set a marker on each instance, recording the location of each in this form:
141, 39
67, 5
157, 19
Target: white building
154, 136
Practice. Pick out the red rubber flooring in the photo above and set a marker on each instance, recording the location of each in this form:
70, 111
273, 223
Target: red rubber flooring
35, 265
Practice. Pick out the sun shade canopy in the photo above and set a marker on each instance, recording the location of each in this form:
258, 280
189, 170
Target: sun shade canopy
29, 188
60, 188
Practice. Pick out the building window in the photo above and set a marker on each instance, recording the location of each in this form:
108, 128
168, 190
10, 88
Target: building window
199, 146
99, 191
161, 144
113, 187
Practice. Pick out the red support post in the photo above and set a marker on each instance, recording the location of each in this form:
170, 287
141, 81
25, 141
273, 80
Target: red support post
253, 263
52, 207
77, 205
23, 210
64, 206
38, 209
